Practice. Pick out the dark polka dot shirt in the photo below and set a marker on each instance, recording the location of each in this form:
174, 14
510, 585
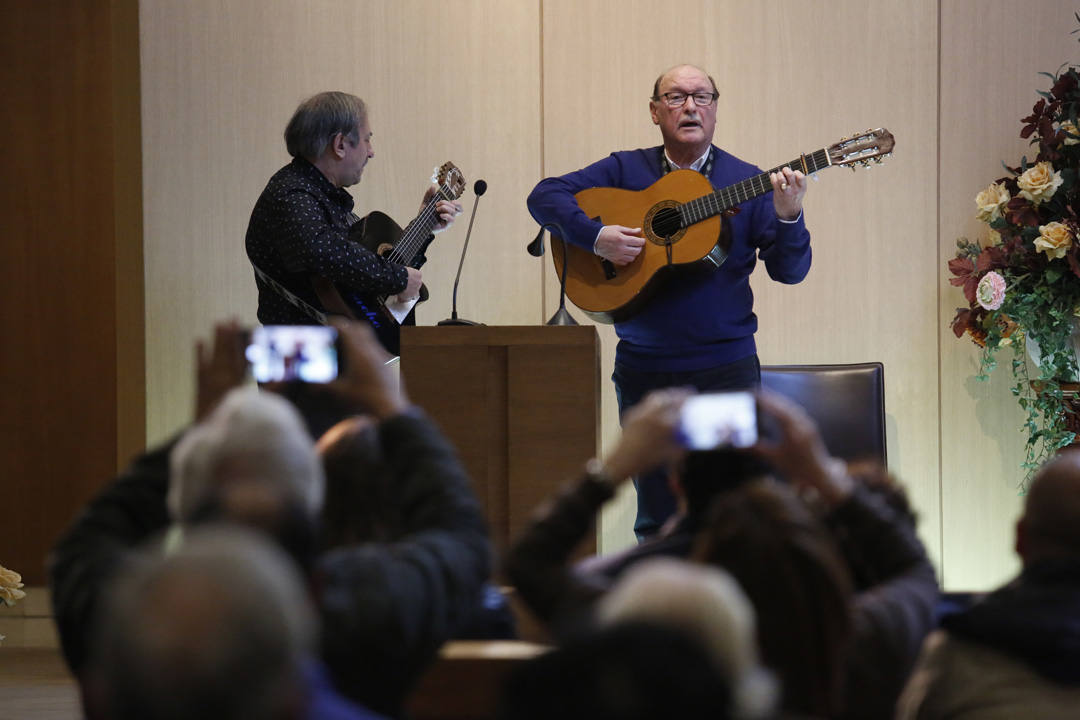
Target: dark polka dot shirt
299, 228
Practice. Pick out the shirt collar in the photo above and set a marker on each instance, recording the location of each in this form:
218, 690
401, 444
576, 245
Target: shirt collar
696, 165
341, 195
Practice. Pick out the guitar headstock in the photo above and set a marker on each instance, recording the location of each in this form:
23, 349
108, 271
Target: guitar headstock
449, 179
858, 151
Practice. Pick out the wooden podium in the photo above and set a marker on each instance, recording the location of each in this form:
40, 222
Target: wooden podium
522, 405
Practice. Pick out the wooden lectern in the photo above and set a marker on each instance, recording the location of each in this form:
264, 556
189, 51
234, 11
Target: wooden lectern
522, 405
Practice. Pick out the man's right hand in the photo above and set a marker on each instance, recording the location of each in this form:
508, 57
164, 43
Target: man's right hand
621, 245
366, 385
412, 288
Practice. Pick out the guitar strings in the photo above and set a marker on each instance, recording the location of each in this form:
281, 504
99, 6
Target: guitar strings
412, 237
706, 206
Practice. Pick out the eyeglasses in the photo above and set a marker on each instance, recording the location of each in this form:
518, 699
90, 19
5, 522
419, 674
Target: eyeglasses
676, 99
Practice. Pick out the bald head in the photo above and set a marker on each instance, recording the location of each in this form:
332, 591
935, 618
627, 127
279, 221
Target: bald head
664, 75
1050, 525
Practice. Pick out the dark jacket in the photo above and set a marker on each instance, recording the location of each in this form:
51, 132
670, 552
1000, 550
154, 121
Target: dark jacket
387, 607
99, 543
1016, 653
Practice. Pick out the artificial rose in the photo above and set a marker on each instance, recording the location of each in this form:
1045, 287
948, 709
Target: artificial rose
990, 201
990, 292
1039, 183
1054, 240
10, 582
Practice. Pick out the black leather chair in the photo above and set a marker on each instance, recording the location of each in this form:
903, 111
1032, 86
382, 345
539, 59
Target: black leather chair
846, 401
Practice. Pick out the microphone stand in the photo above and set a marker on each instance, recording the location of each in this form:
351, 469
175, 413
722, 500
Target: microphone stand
479, 188
536, 248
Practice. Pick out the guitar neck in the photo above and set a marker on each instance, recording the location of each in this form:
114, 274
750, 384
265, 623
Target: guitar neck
414, 236
731, 196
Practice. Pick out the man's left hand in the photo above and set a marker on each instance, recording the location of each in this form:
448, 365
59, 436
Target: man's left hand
446, 210
789, 187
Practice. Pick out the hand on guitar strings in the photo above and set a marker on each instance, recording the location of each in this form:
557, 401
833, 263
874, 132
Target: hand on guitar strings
619, 244
789, 187
447, 210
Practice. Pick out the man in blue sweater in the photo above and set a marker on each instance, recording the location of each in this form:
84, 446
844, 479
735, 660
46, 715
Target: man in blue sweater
698, 330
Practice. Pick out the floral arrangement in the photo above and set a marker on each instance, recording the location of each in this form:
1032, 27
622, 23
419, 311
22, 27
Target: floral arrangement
1022, 282
10, 584
10, 588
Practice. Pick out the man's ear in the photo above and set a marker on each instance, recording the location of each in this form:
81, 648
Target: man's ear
337, 144
652, 111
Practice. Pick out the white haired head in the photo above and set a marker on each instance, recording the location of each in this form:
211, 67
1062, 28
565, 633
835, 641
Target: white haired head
707, 604
251, 435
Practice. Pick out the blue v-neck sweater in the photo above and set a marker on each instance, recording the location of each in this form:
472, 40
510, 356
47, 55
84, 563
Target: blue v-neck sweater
704, 319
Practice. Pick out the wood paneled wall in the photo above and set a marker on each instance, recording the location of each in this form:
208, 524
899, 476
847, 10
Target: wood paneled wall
71, 293
513, 91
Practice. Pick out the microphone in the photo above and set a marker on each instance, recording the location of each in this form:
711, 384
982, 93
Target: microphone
479, 188
536, 249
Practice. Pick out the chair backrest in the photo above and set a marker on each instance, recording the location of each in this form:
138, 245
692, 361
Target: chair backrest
846, 401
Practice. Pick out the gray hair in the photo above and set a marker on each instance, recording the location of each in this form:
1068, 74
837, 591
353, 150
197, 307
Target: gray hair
319, 119
251, 435
219, 629
704, 603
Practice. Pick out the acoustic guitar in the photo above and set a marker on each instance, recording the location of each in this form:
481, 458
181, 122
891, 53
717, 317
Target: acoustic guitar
680, 217
379, 233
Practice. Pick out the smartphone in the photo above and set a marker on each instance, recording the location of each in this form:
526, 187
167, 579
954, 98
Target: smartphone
719, 420
280, 353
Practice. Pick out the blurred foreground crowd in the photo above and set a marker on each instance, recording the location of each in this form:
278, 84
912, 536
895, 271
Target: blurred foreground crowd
304, 551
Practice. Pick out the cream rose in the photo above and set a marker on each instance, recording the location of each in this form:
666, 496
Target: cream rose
1039, 183
990, 202
10, 582
1070, 127
1054, 240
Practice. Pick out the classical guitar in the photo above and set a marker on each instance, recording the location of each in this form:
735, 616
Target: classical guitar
680, 217
380, 234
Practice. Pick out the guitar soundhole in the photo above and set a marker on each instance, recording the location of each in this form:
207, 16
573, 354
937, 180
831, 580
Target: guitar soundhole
664, 222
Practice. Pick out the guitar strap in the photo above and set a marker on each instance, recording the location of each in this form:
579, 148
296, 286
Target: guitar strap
293, 299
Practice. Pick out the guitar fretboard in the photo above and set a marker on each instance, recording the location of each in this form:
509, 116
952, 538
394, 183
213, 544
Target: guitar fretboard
415, 233
731, 196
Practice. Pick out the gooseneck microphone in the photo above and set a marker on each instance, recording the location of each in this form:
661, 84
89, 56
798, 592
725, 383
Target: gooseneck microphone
536, 249
479, 188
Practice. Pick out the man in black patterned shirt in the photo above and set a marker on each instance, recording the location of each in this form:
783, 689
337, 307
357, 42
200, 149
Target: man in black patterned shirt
300, 225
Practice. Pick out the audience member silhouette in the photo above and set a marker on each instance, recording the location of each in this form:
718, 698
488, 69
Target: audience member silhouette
1016, 652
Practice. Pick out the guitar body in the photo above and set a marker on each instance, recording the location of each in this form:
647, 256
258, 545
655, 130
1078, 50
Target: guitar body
380, 234
611, 293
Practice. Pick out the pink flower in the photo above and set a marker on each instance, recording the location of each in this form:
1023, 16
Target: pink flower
990, 292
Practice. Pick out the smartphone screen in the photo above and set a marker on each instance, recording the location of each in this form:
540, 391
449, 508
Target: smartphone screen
280, 353
718, 420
